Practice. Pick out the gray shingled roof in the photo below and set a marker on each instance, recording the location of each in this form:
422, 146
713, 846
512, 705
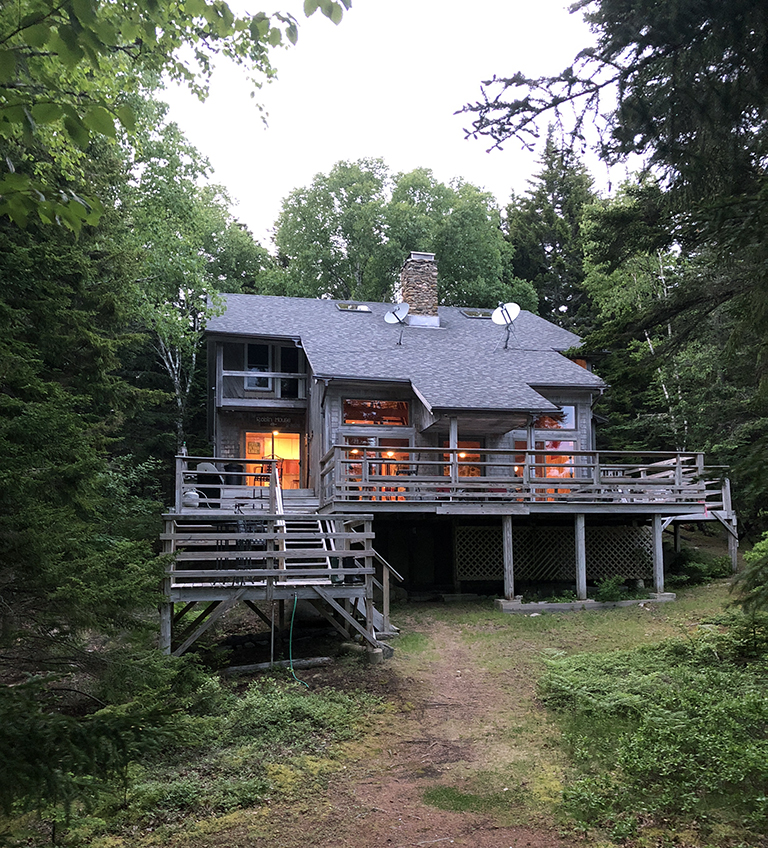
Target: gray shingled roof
461, 365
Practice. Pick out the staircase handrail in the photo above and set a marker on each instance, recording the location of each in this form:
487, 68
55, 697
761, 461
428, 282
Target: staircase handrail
391, 568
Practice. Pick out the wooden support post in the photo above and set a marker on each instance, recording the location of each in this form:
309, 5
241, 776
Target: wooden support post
509, 569
581, 556
220, 609
453, 444
733, 544
678, 541
166, 617
253, 608
658, 555
166, 608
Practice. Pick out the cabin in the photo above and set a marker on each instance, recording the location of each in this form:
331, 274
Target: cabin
356, 443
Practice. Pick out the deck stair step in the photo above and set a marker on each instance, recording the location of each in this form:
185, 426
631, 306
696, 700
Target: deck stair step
303, 501
305, 534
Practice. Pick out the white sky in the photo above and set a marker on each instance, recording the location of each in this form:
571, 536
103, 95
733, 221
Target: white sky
384, 83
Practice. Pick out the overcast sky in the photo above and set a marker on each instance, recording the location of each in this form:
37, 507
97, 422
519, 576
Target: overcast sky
384, 83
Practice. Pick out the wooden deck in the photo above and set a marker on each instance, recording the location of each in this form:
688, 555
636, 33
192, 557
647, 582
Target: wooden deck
445, 480
224, 560
234, 541
496, 481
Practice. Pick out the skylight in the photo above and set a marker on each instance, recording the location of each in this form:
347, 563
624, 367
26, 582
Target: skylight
353, 307
477, 313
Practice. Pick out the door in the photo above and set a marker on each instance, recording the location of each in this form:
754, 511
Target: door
285, 447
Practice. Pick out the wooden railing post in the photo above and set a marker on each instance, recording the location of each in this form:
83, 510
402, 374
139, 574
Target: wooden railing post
179, 496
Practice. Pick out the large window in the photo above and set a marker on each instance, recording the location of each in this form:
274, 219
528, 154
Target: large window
390, 413
565, 419
468, 459
557, 464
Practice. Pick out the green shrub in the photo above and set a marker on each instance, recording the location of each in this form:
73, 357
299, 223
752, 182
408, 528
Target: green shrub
677, 728
610, 589
751, 586
690, 567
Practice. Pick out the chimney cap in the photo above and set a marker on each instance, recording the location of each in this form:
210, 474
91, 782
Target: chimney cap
422, 257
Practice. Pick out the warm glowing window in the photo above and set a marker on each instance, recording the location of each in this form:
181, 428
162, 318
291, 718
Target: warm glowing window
391, 413
565, 419
468, 454
557, 464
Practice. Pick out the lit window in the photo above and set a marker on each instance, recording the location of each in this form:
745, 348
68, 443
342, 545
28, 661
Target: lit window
390, 413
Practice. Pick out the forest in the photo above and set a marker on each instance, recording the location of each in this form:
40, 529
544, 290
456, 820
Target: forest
116, 242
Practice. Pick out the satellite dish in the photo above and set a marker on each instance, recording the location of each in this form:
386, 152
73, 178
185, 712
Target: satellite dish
505, 314
397, 315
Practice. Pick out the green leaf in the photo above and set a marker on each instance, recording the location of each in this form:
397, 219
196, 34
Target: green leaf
85, 10
275, 37
196, 8
310, 7
127, 117
73, 124
46, 113
259, 27
64, 43
99, 120
292, 33
37, 35
337, 13
7, 64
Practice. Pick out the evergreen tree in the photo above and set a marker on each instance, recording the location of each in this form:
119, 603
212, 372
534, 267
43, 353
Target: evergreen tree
543, 227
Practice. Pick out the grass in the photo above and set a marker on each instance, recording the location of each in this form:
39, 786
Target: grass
634, 705
654, 728
231, 752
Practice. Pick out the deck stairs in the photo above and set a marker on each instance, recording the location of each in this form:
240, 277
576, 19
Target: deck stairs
305, 534
302, 501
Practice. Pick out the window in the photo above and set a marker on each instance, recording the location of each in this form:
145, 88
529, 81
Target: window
258, 360
556, 464
289, 364
565, 419
390, 413
253, 367
468, 454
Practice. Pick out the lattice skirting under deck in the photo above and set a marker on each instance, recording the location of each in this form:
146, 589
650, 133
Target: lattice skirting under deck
544, 553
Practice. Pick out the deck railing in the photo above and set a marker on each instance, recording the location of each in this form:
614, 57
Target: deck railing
380, 475
216, 482
253, 552
350, 473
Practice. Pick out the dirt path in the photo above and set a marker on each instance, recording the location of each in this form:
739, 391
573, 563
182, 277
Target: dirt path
452, 726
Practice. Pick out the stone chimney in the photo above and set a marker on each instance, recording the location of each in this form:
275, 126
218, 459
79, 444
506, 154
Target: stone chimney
418, 288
